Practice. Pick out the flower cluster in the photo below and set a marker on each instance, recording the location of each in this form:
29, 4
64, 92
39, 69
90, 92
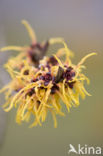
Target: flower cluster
39, 83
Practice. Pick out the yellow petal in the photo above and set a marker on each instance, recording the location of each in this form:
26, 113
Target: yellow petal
30, 30
15, 48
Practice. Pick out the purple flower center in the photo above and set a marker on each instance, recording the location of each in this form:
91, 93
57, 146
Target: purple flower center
69, 74
47, 77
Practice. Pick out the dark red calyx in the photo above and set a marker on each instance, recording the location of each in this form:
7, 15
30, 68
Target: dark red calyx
37, 51
46, 78
54, 88
31, 92
26, 72
71, 84
69, 73
34, 80
53, 61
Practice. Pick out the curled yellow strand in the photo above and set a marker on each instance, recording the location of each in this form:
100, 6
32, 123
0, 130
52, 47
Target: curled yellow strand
84, 58
60, 63
30, 30
14, 48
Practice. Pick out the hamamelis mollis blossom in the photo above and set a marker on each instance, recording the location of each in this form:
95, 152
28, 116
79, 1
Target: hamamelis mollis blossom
39, 83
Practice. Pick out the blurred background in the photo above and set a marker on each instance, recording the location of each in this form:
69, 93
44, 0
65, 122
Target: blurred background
80, 23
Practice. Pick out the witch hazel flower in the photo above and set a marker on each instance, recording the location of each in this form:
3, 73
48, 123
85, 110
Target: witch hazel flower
41, 83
